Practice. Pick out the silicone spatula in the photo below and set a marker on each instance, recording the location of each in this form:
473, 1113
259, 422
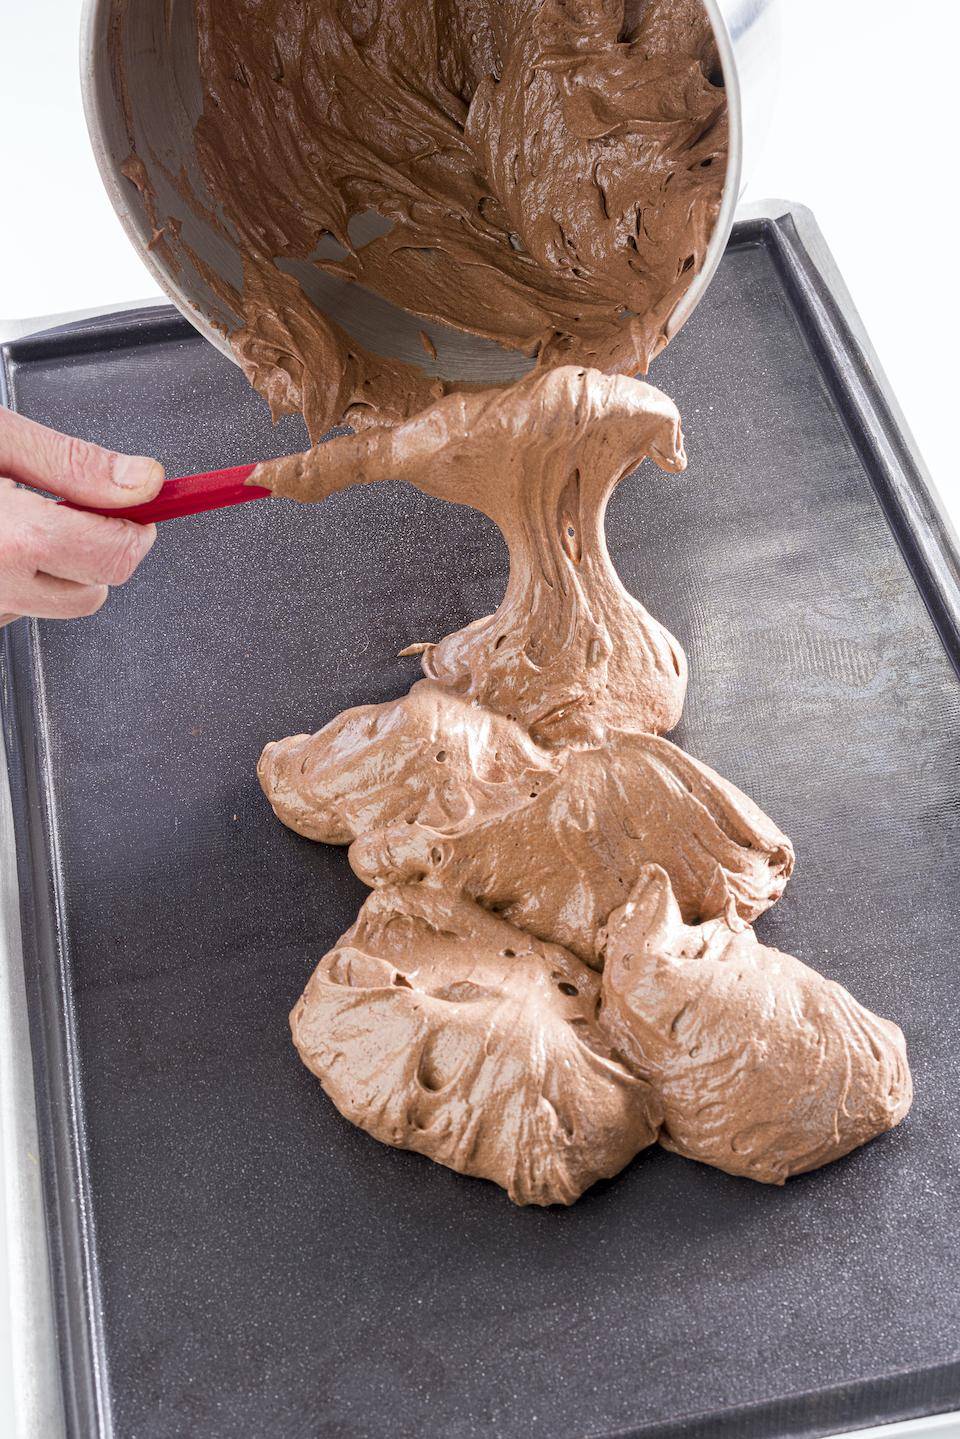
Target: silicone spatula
188, 495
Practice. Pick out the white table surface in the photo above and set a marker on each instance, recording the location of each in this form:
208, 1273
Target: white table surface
862, 134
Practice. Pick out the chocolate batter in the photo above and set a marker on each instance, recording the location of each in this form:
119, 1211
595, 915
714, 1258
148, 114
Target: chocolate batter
522, 824
438, 1027
555, 966
764, 1068
547, 174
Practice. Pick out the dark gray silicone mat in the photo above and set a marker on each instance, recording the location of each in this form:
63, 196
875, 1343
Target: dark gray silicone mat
230, 1258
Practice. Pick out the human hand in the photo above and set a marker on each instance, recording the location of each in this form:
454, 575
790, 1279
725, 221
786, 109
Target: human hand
57, 563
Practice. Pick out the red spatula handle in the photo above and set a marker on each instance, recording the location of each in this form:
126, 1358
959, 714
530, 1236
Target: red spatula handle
189, 495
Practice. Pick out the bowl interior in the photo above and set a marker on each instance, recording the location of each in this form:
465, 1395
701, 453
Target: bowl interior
143, 97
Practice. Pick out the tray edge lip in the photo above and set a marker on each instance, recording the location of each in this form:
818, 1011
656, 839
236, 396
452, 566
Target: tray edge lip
66, 1218
35, 1401
91, 334
64, 1225
902, 482
769, 223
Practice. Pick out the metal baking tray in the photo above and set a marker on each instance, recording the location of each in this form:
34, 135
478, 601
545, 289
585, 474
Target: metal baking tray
228, 1256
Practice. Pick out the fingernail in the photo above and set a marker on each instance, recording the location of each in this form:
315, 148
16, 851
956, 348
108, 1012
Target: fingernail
136, 472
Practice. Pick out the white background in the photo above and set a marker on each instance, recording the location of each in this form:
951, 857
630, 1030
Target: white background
864, 134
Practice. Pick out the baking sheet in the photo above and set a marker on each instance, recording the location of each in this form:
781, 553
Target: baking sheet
229, 1256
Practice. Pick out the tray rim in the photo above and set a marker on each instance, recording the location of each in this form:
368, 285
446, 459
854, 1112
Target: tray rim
63, 1229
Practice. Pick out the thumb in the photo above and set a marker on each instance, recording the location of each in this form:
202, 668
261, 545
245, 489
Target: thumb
73, 468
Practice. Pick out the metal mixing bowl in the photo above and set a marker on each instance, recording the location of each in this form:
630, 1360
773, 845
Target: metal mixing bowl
151, 61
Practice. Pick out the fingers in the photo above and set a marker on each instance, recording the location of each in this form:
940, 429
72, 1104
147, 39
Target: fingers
74, 468
56, 563
47, 597
88, 548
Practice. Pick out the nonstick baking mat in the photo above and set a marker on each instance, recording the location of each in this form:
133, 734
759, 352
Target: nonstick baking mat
230, 1257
